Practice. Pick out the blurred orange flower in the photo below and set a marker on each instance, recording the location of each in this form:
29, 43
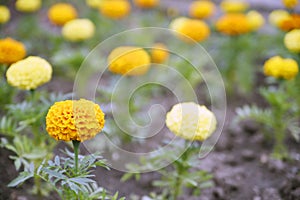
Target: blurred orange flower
11, 51
146, 3
233, 24
115, 9
291, 22
61, 13
202, 9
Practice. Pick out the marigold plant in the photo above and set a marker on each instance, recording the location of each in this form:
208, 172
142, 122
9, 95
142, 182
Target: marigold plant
11, 51
276, 17
256, 20
202, 9
292, 41
291, 22
4, 14
78, 30
191, 121
159, 53
233, 24
230, 6
61, 13
115, 9
146, 3
128, 60
77, 120
28, 5
195, 29
29, 73
290, 3
281, 68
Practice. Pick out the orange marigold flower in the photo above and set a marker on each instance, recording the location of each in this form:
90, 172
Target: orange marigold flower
146, 3
233, 24
11, 51
74, 120
291, 22
202, 9
195, 29
159, 53
61, 13
115, 9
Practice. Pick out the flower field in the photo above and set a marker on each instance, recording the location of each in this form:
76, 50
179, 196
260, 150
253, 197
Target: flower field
149, 99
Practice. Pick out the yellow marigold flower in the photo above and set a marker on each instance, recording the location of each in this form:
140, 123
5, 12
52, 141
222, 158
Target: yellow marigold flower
290, 23
74, 120
11, 51
233, 24
256, 20
202, 9
191, 121
195, 29
28, 5
292, 41
4, 14
115, 9
146, 3
281, 68
276, 17
61, 13
94, 3
159, 53
78, 30
128, 60
230, 6
29, 73
290, 3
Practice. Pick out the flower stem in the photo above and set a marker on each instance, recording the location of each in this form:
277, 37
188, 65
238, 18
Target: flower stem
76, 147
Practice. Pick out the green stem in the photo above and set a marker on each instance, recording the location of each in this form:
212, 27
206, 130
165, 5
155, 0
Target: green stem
76, 147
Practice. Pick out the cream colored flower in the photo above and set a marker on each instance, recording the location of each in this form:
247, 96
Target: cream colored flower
28, 5
292, 40
78, 30
4, 14
256, 20
276, 17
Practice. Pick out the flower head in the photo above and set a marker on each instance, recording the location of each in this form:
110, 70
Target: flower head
276, 17
159, 53
29, 73
291, 22
146, 3
28, 5
11, 51
191, 121
233, 24
195, 29
230, 6
78, 120
128, 60
4, 14
256, 20
290, 3
94, 3
61, 13
115, 9
281, 68
78, 30
292, 40
202, 9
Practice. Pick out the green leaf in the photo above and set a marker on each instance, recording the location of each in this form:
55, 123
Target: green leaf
21, 178
127, 176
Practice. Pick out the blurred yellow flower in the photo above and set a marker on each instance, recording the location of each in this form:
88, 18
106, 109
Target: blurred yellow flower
94, 3
78, 120
290, 3
191, 121
292, 41
290, 23
159, 53
146, 3
233, 24
230, 6
281, 68
189, 29
28, 5
29, 73
276, 17
78, 30
202, 9
129, 60
256, 20
115, 9
11, 51
61, 13
4, 14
